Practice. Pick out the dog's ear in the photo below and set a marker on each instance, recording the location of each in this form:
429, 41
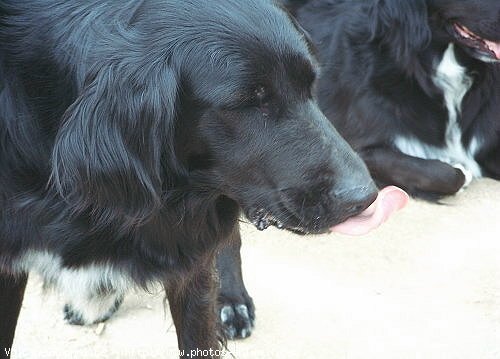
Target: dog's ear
292, 5
107, 157
305, 35
403, 26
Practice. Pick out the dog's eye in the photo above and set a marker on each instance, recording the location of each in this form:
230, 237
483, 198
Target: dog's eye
262, 99
260, 93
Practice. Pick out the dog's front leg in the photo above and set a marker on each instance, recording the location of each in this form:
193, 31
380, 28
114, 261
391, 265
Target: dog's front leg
192, 303
420, 177
236, 310
11, 298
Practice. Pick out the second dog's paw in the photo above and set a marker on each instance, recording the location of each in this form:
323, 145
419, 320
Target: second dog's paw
237, 319
468, 174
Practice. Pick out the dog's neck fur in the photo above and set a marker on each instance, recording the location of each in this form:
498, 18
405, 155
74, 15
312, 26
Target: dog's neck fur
454, 82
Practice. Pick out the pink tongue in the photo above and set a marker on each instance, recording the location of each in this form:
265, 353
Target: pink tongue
495, 47
389, 200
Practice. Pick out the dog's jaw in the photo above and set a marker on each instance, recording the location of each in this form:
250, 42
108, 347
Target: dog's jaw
389, 200
489, 50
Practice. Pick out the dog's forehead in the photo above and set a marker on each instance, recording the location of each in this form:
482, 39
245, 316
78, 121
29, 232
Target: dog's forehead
236, 78
246, 49
232, 25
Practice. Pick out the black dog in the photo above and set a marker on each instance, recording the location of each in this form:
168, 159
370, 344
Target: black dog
412, 85
132, 135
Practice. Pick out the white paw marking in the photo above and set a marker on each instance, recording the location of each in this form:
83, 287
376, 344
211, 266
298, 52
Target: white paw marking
242, 310
226, 313
468, 175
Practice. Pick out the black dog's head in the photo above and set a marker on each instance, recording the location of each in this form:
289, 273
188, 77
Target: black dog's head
408, 26
210, 95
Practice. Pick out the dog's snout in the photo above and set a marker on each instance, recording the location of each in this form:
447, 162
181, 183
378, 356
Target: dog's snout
353, 201
322, 205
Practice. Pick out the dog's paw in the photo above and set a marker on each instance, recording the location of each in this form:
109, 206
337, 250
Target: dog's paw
90, 312
467, 174
237, 318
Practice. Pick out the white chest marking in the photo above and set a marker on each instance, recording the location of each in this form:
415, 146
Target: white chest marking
452, 78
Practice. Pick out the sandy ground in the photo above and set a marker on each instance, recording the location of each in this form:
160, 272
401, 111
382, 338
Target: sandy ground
426, 285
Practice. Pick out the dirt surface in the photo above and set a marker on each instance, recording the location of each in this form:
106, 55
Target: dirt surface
425, 285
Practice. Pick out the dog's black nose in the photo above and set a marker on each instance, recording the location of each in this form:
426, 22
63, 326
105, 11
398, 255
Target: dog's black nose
352, 201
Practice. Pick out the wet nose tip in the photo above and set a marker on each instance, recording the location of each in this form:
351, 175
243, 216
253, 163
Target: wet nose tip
355, 200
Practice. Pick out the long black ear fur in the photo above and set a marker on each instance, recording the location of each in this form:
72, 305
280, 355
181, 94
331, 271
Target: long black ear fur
401, 25
107, 158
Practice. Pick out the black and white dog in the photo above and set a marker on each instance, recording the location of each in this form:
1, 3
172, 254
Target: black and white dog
132, 135
414, 86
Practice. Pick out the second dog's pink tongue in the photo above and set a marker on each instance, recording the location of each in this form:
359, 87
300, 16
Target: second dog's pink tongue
495, 47
389, 200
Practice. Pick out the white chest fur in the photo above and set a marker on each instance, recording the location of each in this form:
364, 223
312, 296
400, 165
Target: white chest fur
452, 78
92, 290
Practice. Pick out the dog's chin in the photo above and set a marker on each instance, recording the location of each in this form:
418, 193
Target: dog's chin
263, 219
481, 55
476, 46
389, 200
